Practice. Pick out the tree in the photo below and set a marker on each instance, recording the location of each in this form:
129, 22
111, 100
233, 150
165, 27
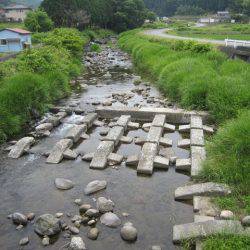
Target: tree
38, 21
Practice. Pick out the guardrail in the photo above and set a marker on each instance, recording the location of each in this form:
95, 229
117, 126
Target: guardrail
236, 43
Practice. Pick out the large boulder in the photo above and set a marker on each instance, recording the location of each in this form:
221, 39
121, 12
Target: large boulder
47, 225
77, 243
110, 219
104, 205
63, 184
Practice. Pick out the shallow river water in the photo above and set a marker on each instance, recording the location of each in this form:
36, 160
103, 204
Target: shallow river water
27, 184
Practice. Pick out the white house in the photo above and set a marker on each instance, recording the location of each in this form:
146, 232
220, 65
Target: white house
14, 40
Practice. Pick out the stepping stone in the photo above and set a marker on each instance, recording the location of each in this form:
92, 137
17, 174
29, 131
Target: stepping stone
100, 158
146, 162
63, 184
169, 127
184, 128
114, 159
165, 142
85, 136
204, 206
110, 219
202, 218
56, 155
88, 157
98, 123
89, 119
185, 143
132, 160
133, 125
139, 141
198, 155
55, 121
146, 126
126, 139
183, 164
198, 230
95, 186
21, 147
197, 137
44, 127
123, 121
161, 162
159, 121
69, 154
196, 122
154, 134
208, 129
76, 132
201, 189
115, 134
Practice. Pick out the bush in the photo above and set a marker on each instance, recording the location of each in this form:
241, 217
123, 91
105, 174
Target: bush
95, 48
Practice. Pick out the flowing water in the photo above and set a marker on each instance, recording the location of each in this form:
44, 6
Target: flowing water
27, 184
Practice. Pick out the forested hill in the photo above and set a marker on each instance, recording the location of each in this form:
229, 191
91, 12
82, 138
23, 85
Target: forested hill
169, 7
32, 3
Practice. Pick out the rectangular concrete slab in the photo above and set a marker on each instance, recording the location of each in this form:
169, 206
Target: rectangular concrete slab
115, 134
201, 189
56, 154
133, 125
75, 132
185, 143
146, 162
196, 122
202, 218
123, 121
154, 134
159, 120
198, 155
183, 164
89, 119
204, 206
166, 142
199, 230
20, 147
184, 128
208, 129
169, 127
161, 162
197, 137
100, 158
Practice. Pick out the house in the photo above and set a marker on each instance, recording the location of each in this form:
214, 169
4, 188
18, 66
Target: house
223, 16
14, 40
16, 13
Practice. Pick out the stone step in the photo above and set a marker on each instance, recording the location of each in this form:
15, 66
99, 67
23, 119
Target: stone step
199, 230
183, 164
161, 162
146, 162
202, 218
196, 122
201, 189
100, 158
133, 125
76, 132
126, 139
197, 137
21, 147
208, 129
132, 160
166, 142
154, 134
169, 127
185, 143
115, 134
89, 119
204, 206
56, 154
198, 155
123, 121
184, 128
159, 120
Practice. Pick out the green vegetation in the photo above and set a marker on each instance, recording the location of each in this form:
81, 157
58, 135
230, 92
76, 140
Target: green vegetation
38, 21
95, 48
216, 31
11, 25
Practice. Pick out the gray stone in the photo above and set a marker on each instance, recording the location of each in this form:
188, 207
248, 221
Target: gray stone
115, 134
75, 132
58, 215
100, 158
63, 184
56, 154
74, 230
204, 206
88, 157
165, 142
246, 221
24, 241
83, 208
104, 205
133, 125
69, 154
132, 160
129, 232
54, 120
78, 202
185, 143
226, 215
139, 141
183, 164
47, 224
197, 137
156, 248
21, 147
19, 227
196, 122
98, 123
159, 120
44, 127
95, 186
104, 131
92, 213
184, 128
76, 218
114, 159
146, 126
198, 230
93, 233
45, 241
208, 129
123, 121
154, 134
89, 119
126, 139
77, 243
202, 218
19, 219
198, 155
169, 127
30, 216
110, 219
161, 162
201, 189
85, 136
146, 162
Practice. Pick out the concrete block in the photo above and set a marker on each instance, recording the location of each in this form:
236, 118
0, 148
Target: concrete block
123, 121
185, 143
133, 125
132, 160
169, 127
76, 132
204, 206
197, 137
161, 162
154, 134
208, 129
89, 119
198, 155
115, 134
165, 142
183, 164
159, 120
196, 122
184, 128
126, 139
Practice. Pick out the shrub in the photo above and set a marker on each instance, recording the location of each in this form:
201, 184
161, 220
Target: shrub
95, 48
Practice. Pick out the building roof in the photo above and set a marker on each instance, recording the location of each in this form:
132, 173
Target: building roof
19, 31
16, 7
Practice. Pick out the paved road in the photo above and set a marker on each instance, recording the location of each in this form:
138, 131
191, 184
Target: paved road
162, 33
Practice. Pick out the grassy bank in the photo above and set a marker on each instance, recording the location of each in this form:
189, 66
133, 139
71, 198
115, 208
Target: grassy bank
199, 77
38, 77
